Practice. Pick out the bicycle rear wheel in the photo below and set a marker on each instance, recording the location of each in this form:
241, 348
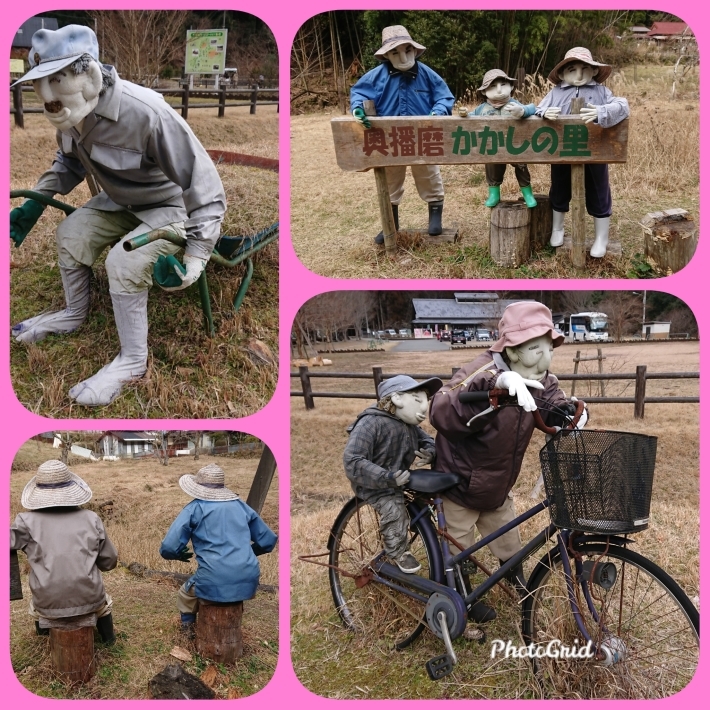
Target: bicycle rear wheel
367, 607
646, 623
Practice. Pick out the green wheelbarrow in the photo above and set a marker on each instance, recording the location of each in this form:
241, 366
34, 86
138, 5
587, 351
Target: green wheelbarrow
229, 251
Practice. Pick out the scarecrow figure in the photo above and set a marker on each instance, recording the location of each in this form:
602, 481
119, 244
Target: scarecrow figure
67, 548
384, 442
154, 173
403, 86
227, 535
579, 75
497, 88
488, 453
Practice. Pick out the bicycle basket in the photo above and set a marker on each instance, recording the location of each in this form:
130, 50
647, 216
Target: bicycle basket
599, 481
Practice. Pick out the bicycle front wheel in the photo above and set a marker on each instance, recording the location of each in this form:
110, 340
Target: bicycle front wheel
368, 607
646, 627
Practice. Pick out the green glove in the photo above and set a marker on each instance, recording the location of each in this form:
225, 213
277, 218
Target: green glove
185, 555
360, 117
23, 218
164, 272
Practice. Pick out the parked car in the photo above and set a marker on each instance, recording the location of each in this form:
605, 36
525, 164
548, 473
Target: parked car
483, 334
391, 333
445, 335
458, 336
405, 333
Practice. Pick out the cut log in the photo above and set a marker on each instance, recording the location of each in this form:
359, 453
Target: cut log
219, 630
510, 234
670, 240
174, 683
540, 222
72, 654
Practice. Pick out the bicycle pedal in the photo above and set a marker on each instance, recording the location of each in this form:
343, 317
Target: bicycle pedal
439, 667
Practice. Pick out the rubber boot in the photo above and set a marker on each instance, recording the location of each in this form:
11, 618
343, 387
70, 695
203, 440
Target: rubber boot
478, 612
516, 577
528, 196
40, 631
435, 212
187, 625
493, 196
558, 229
380, 238
75, 281
130, 311
104, 624
601, 237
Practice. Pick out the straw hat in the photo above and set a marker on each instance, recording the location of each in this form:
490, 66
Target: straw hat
394, 36
55, 485
580, 54
490, 76
524, 321
208, 484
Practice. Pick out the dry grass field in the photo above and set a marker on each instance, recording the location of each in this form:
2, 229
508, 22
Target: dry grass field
189, 375
334, 214
146, 499
332, 662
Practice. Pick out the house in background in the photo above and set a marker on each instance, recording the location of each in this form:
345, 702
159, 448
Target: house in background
126, 444
22, 40
665, 33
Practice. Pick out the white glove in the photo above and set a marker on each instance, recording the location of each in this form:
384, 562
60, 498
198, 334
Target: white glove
194, 266
425, 458
517, 387
463, 111
589, 114
401, 478
514, 110
552, 113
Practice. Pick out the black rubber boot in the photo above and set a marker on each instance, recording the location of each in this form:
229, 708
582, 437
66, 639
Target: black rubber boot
516, 577
478, 612
380, 238
104, 624
435, 210
40, 631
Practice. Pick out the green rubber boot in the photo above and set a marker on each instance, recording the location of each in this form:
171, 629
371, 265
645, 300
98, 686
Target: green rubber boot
493, 196
528, 196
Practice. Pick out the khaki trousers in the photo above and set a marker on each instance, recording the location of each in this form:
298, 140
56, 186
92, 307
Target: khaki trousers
427, 178
187, 601
103, 610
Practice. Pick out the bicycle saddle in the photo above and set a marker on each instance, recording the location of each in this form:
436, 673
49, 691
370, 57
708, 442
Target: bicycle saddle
431, 481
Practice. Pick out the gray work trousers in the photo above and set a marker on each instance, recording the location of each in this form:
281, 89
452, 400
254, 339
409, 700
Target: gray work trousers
394, 520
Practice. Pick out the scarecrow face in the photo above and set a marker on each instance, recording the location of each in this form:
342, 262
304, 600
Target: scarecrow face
531, 359
579, 73
499, 90
402, 57
411, 406
68, 97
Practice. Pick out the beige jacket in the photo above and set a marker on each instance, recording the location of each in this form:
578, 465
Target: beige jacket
66, 548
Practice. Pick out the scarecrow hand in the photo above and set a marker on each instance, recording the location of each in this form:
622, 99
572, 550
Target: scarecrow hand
360, 117
185, 555
425, 458
514, 110
585, 415
183, 275
589, 114
517, 386
401, 478
552, 113
463, 111
23, 218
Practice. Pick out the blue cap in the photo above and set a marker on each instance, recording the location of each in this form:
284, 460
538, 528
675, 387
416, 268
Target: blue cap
405, 383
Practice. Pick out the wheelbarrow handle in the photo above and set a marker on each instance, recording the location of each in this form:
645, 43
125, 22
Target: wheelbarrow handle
43, 200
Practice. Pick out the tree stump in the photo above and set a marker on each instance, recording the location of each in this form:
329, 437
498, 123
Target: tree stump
540, 222
670, 240
72, 654
15, 580
219, 630
174, 683
510, 234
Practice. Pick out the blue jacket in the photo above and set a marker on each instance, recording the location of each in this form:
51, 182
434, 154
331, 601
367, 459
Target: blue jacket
417, 92
226, 537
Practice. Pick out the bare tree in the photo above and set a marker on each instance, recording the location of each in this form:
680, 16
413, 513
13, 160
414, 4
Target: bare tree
623, 312
577, 301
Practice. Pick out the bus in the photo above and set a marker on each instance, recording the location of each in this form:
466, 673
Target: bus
589, 326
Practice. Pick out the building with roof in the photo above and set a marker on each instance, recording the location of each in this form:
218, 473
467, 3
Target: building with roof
126, 443
666, 32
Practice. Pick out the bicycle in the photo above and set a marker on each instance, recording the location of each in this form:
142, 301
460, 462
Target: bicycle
641, 627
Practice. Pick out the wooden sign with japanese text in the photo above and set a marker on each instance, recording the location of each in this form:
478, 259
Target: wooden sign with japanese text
450, 140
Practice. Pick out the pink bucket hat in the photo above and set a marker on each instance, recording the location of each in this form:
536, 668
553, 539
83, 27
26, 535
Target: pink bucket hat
524, 321
580, 54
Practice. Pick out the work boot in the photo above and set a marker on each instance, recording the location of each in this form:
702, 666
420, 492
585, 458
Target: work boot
130, 311
601, 237
40, 631
380, 238
408, 563
493, 196
478, 612
435, 210
516, 577
528, 196
558, 229
75, 281
187, 625
104, 624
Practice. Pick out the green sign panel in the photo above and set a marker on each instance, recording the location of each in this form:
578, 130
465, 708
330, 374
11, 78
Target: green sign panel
205, 51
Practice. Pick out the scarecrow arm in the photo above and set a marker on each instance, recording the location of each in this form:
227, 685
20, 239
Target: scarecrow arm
262, 537
108, 555
177, 536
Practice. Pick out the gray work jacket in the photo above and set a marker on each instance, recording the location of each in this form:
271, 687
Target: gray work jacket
147, 160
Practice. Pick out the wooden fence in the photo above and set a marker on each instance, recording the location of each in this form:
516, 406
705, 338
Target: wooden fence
219, 99
639, 399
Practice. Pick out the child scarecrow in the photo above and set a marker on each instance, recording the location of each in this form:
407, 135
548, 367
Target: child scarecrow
67, 548
227, 536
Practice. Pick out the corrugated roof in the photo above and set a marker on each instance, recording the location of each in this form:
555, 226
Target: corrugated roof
130, 435
669, 28
449, 310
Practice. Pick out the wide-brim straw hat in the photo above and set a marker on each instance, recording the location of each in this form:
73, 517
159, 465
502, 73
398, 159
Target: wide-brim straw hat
394, 36
580, 54
55, 485
524, 321
490, 76
208, 484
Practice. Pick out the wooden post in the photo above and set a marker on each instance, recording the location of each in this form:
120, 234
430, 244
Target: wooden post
602, 383
510, 234
15, 580
670, 240
577, 208
219, 630
576, 368
540, 222
386, 216
17, 105
185, 99
72, 653
254, 95
222, 98
306, 387
640, 393
377, 376
262, 480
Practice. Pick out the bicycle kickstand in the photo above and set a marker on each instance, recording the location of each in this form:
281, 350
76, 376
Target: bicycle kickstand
441, 666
